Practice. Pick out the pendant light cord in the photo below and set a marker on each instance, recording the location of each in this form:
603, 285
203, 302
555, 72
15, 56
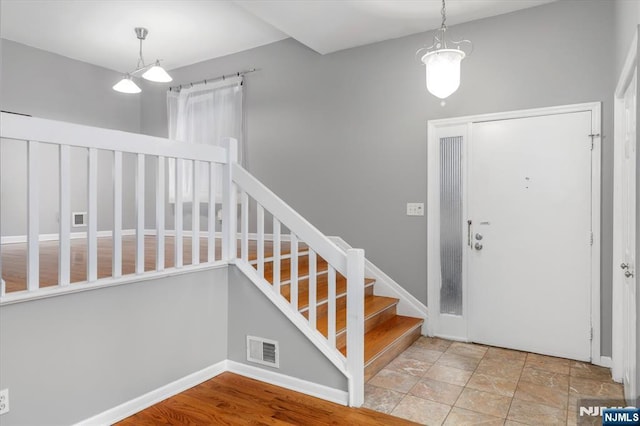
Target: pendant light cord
140, 59
443, 12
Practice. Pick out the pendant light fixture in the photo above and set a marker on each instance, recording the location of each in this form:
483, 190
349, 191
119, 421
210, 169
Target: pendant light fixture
442, 60
152, 72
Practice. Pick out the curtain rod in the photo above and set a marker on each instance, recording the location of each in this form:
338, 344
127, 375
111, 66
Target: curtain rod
221, 77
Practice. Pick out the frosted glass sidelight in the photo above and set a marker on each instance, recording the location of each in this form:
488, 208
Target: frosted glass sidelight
451, 225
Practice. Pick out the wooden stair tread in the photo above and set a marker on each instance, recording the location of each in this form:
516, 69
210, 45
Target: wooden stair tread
372, 305
303, 271
322, 289
384, 335
285, 249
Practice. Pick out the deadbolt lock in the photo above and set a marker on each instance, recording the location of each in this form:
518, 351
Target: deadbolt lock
624, 265
478, 237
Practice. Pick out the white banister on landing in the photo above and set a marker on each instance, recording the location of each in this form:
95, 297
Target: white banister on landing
80, 147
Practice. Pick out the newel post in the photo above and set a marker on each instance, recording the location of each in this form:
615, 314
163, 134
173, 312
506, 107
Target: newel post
229, 202
355, 325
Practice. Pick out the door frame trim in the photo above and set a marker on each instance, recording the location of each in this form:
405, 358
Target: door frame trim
625, 78
433, 210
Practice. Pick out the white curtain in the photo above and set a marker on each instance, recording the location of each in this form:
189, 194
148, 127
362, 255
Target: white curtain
205, 113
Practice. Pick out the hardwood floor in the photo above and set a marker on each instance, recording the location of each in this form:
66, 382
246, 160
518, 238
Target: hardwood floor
14, 259
229, 399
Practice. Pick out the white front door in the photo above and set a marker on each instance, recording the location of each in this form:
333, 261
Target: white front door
530, 235
628, 265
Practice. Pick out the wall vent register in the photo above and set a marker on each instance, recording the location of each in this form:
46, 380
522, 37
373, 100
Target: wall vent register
78, 218
263, 351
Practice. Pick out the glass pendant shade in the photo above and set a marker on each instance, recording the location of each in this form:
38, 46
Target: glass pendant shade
157, 74
443, 71
126, 85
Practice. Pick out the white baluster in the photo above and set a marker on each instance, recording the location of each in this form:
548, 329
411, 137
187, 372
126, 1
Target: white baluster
313, 282
229, 207
293, 282
331, 306
33, 219
211, 228
260, 240
160, 206
92, 213
178, 214
64, 254
139, 213
116, 267
276, 255
244, 227
195, 215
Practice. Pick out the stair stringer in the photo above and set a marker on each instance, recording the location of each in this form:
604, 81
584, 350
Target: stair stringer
314, 336
408, 305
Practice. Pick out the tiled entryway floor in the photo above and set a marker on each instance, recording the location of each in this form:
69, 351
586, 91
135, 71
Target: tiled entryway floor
438, 382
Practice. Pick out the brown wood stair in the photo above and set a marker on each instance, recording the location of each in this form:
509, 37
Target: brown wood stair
387, 334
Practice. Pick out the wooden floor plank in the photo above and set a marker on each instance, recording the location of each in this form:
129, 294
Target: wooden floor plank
230, 399
14, 259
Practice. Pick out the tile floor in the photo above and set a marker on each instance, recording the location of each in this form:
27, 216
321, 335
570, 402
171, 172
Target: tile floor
436, 382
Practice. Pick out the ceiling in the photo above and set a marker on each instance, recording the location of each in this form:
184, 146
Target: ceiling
183, 32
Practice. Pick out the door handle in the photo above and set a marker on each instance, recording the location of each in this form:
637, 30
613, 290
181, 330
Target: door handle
628, 274
478, 246
624, 265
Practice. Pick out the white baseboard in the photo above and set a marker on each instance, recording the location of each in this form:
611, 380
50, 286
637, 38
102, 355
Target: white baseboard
138, 404
12, 239
292, 383
135, 405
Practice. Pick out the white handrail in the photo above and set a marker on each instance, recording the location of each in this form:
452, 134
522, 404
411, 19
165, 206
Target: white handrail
20, 127
304, 230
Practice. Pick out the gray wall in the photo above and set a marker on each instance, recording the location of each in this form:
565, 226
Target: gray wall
252, 314
626, 20
342, 137
67, 358
47, 85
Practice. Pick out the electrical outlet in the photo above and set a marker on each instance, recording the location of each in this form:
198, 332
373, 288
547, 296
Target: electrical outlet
415, 209
4, 401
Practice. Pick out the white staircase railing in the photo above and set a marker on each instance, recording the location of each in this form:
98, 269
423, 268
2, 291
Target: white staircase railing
257, 201
254, 197
36, 133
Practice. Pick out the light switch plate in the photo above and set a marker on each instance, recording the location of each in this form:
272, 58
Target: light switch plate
415, 209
